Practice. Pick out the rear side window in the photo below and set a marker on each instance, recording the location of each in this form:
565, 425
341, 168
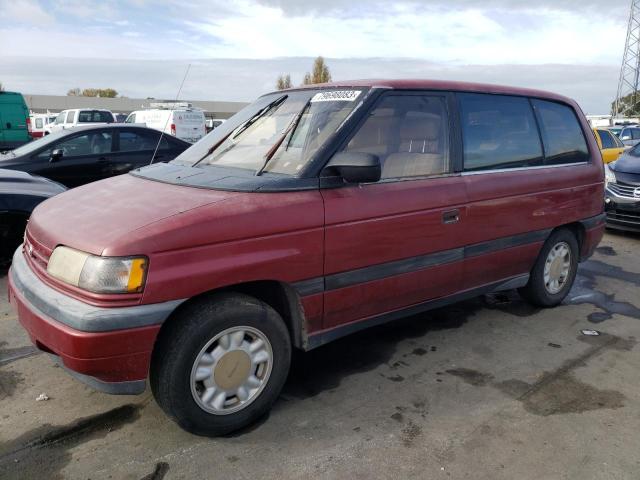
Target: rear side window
498, 132
131, 141
71, 116
95, 116
606, 139
564, 141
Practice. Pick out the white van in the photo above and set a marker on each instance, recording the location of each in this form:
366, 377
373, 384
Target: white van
80, 117
180, 120
40, 123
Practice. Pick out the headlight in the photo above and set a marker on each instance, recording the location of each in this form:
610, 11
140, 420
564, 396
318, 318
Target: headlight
98, 274
609, 176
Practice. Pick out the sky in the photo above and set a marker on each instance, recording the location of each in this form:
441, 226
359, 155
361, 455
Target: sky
237, 48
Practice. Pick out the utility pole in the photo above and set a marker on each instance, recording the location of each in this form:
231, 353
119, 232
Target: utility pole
630, 71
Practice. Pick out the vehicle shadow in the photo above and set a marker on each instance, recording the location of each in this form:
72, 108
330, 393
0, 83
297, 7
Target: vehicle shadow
324, 368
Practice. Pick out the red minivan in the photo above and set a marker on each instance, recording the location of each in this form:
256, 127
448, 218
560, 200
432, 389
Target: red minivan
311, 214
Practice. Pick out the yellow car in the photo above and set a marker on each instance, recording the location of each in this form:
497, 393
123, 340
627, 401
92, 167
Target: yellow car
610, 145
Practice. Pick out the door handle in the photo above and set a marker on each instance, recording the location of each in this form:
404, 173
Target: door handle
103, 160
451, 216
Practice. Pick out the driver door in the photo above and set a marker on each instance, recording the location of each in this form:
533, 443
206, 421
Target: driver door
85, 158
398, 242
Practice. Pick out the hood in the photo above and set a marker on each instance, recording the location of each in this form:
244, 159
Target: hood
99, 215
20, 191
627, 163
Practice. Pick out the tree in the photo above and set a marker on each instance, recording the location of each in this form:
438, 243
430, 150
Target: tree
93, 92
99, 92
629, 105
320, 73
283, 82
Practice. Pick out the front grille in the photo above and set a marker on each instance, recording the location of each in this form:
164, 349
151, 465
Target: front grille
623, 190
37, 255
624, 217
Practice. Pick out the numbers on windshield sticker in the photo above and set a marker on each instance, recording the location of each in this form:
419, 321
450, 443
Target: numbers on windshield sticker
336, 96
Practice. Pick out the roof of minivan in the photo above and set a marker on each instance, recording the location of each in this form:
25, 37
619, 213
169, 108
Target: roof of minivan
426, 84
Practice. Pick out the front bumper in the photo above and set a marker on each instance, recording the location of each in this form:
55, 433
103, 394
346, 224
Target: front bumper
107, 348
623, 213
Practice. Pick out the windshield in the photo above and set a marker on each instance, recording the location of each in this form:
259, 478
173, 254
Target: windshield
278, 133
34, 145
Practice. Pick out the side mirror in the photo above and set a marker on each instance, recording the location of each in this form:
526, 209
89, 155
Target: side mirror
356, 167
56, 155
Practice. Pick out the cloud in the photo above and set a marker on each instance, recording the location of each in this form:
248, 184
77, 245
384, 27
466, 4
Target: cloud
28, 12
454, 35
379, 7
141, 47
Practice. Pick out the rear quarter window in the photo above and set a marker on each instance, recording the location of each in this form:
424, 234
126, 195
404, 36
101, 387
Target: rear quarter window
606, 139
499, 132
563, 138
71, 116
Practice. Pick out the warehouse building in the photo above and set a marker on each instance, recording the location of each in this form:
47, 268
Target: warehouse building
57, 103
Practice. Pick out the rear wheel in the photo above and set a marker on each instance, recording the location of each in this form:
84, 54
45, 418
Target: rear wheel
221, 364
554, 271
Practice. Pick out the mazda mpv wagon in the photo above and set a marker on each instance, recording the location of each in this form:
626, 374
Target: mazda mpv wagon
311, 214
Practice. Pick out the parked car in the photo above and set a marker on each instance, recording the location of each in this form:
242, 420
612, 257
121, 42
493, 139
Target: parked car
79, 117
15, 124
616, 130
309, 215
20, 192
630, 135
610, 145
212, 123
86, 154
39, 123
622, 200
179, 120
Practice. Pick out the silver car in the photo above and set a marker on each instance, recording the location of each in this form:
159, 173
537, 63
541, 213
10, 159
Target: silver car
630, 136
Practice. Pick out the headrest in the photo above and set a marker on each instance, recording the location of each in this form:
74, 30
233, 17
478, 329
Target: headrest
425, 126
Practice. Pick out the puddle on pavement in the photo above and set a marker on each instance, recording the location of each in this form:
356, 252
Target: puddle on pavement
47, 448
324, 369
607, 251
558, 392
584, 291
159, 472
9, 382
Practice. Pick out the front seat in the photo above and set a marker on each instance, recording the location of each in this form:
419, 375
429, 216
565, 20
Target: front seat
421, 148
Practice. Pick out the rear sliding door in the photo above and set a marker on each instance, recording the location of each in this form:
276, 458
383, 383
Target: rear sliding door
525, 171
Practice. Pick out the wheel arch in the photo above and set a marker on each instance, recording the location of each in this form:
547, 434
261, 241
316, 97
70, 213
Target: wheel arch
280, 296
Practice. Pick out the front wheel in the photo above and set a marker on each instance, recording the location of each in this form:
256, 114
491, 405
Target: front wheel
221, 364
554, 271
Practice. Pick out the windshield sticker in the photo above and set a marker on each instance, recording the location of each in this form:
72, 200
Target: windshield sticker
336, 96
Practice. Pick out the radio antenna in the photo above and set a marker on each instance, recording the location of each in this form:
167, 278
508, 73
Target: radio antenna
169, 117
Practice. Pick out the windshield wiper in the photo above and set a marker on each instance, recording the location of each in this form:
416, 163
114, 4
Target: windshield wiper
289, 130
238, 131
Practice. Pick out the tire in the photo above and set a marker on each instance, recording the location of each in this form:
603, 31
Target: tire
202, 330
541, 292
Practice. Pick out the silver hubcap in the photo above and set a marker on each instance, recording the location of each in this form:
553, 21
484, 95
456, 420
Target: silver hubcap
557, 268
231, 370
